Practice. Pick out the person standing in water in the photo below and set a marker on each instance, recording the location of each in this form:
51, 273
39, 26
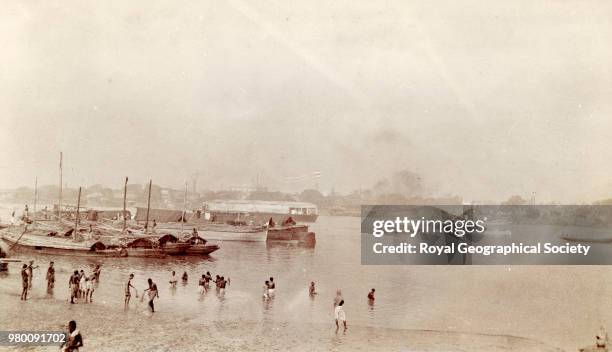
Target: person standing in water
73, 283
207, 279
89, 288
153, 293
271, 287
185, 277
202, 284
128, 292
31, 268
311, 289
24, 282
173, 280
74, 340
266, 290
96, 272
601, 339
50, 277
371, 296
82, 284
338, 298
340, 315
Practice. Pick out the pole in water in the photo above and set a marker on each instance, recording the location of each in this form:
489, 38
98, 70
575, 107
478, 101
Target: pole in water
76, 220
59, 201
124, 197
184, 208
148, 207
35, 199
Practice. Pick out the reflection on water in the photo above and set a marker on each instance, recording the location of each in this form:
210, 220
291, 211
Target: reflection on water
494, 299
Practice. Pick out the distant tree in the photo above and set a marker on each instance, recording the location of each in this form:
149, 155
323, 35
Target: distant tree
515, 200
312, 196
405, 182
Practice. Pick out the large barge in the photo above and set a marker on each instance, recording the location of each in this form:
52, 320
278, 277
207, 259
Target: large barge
259, 211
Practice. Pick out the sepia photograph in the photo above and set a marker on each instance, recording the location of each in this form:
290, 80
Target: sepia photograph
238, 175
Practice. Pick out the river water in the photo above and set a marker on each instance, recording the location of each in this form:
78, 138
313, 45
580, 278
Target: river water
561, 306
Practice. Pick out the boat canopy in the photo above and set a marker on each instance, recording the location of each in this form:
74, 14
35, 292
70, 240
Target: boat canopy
167, 238
98, 246
142, 243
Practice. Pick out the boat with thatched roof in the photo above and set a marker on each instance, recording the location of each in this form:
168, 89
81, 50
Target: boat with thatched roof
199, 247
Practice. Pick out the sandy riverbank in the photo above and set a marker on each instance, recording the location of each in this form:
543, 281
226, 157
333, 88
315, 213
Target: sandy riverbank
138, 330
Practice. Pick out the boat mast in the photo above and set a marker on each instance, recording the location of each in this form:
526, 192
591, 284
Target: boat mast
124, 197
35, 198
184, 209
59, 202
76, 220
148, 206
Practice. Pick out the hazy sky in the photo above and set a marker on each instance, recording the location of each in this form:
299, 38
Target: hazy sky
483, 98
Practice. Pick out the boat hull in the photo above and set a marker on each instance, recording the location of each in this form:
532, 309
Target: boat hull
51, 249
201, 250
146, 253
244, 236
65, 246
296, 234
219, 232
177, 248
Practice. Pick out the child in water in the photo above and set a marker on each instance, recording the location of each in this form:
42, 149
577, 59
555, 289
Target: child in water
202, 284
311, 289
185, 277
266, 287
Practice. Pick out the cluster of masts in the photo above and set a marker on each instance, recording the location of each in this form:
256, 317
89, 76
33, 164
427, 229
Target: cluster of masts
78, 204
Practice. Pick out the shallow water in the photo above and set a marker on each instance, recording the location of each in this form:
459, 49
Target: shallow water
562, 306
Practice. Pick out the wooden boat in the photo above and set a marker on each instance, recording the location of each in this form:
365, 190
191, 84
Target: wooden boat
144, 248
52, 245
3, 263
170, 245
227, 232
201, 249
218, 231
198, 246
291, 233
177, 248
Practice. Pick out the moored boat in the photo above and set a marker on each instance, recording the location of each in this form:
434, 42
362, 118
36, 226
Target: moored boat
235, 231
144, 248
3, 263
170, 245
226, 232
199, 247
291, 233
53, 245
